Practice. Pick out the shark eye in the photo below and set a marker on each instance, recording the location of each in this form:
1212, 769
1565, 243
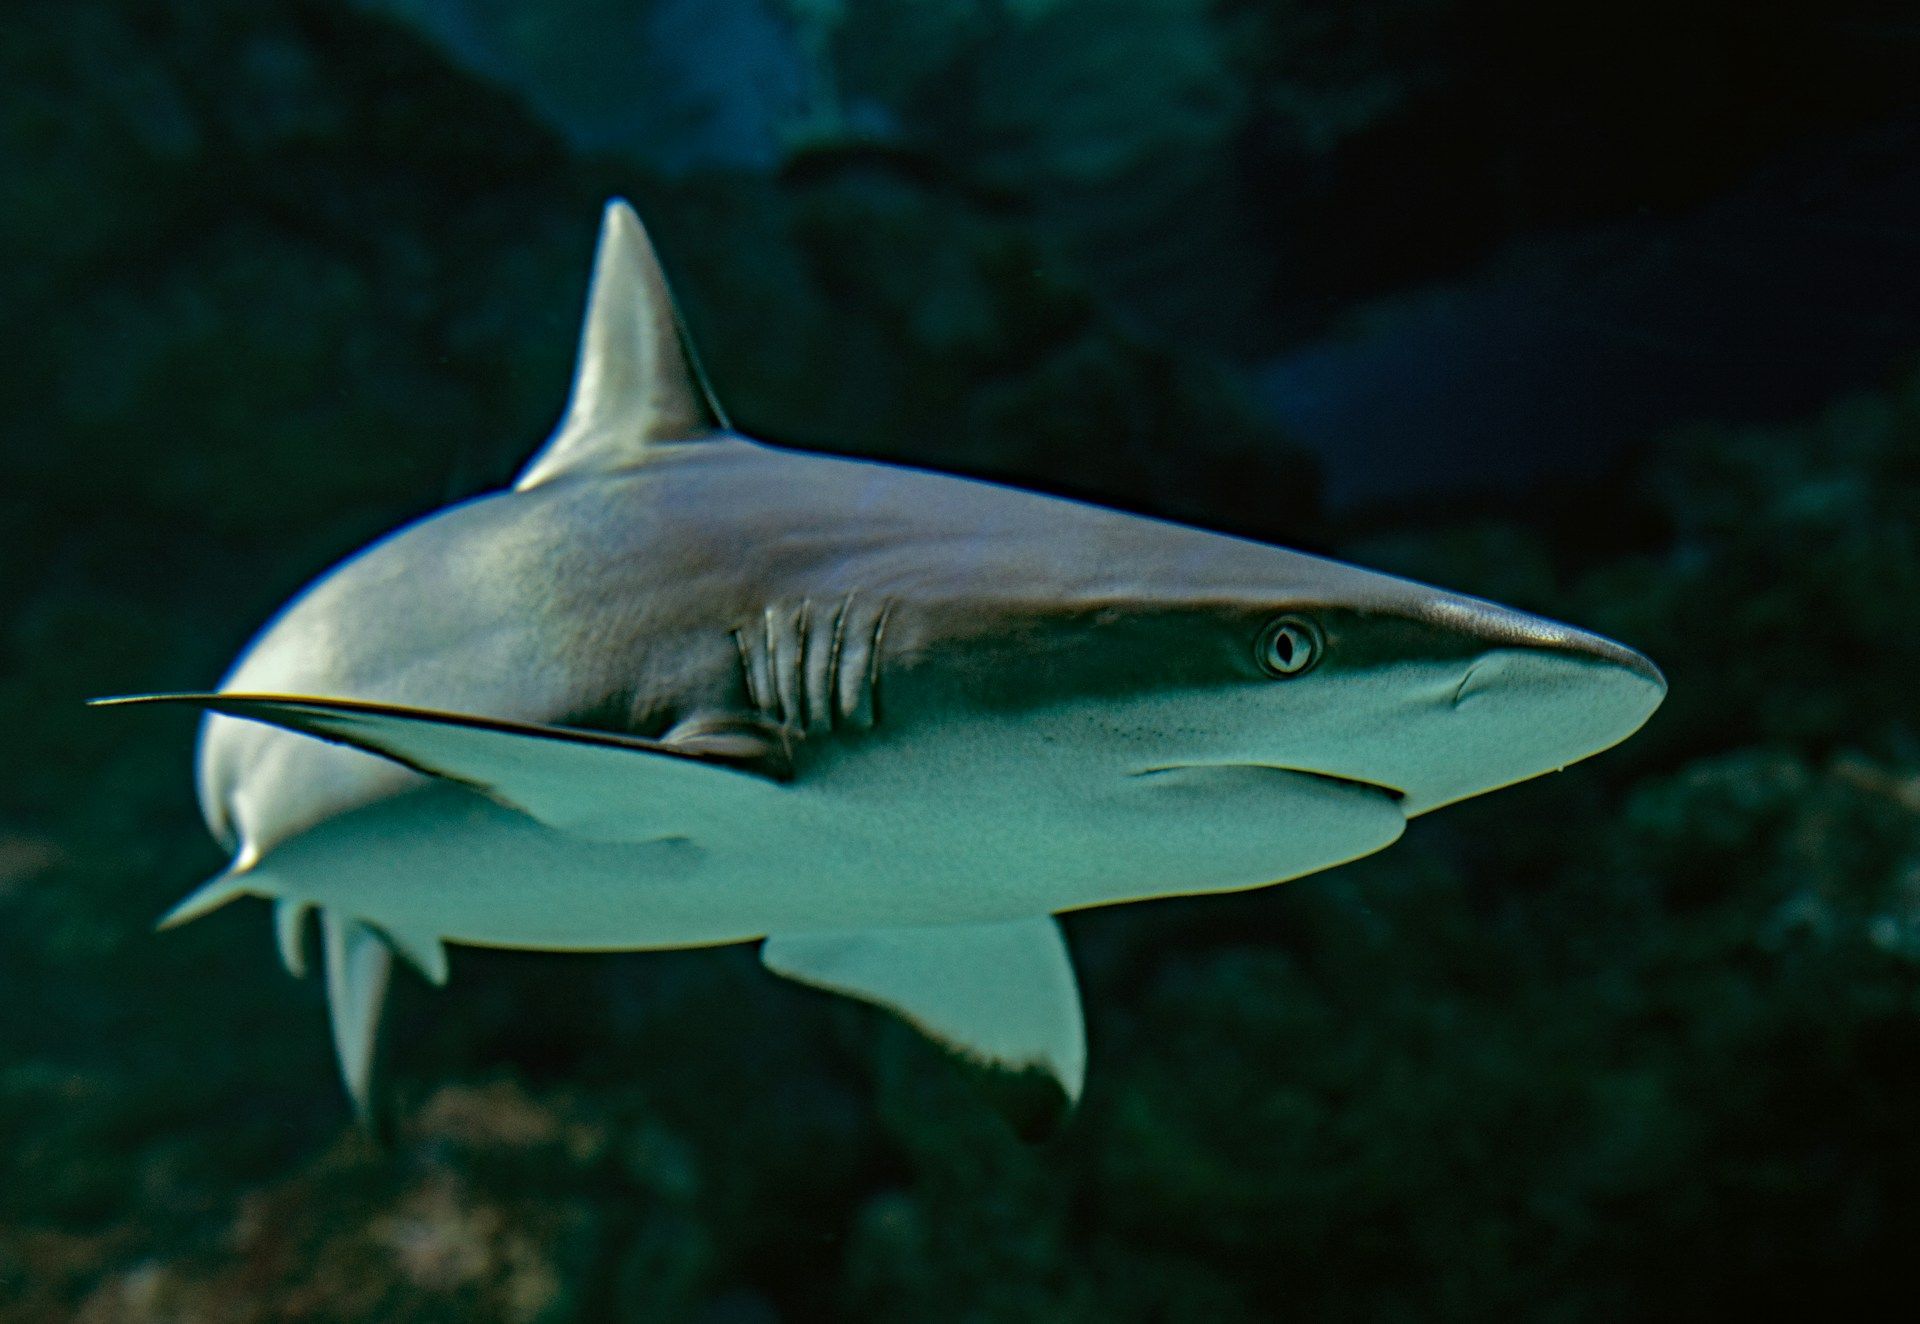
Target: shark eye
1290, 646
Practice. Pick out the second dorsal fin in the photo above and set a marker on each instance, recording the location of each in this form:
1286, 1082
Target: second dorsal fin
636, 382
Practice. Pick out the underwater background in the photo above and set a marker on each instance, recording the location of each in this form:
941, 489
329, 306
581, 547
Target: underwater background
1610, 312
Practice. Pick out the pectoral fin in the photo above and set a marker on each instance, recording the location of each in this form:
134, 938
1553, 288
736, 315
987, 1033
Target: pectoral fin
1001, 993
590, 783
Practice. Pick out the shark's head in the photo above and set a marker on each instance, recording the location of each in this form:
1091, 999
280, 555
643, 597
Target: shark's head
1151, 647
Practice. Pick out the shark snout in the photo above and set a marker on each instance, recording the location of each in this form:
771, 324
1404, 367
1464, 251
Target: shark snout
1526, 708
1501, 631
1577, 655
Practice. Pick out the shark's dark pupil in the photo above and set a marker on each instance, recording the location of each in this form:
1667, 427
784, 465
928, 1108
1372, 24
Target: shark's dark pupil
1289, 646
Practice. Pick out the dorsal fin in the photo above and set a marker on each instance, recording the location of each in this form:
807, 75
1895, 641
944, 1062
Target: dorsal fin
636, 381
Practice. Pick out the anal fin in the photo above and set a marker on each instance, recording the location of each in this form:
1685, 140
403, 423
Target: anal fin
1003, 994
424, 952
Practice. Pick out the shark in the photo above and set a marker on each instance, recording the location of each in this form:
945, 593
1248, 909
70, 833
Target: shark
678, 687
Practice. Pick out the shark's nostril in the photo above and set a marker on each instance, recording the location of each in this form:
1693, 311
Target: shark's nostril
1460, 691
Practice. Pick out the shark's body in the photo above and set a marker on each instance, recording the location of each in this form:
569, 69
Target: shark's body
682, 688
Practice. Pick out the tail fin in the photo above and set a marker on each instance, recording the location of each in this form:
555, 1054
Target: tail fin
359, 966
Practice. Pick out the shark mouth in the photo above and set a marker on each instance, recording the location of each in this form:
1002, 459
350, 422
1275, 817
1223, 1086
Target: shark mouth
1392, 793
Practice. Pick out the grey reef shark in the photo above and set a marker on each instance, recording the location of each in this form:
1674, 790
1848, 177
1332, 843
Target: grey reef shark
679, 687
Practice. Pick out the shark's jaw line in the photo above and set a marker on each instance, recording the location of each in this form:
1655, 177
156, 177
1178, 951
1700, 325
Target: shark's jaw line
1392, 793
1077, 712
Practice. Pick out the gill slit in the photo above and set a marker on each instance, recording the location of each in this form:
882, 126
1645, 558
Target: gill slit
802, 699
829, 696
747, 672
796, 682
777, 699
773, 665
873, 664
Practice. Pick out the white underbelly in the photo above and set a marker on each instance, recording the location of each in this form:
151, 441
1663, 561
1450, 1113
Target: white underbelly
842, 852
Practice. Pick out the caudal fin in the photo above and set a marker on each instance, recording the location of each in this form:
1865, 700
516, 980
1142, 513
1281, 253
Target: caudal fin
359, 968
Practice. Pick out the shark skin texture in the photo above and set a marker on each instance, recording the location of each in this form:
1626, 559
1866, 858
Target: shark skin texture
680, 688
